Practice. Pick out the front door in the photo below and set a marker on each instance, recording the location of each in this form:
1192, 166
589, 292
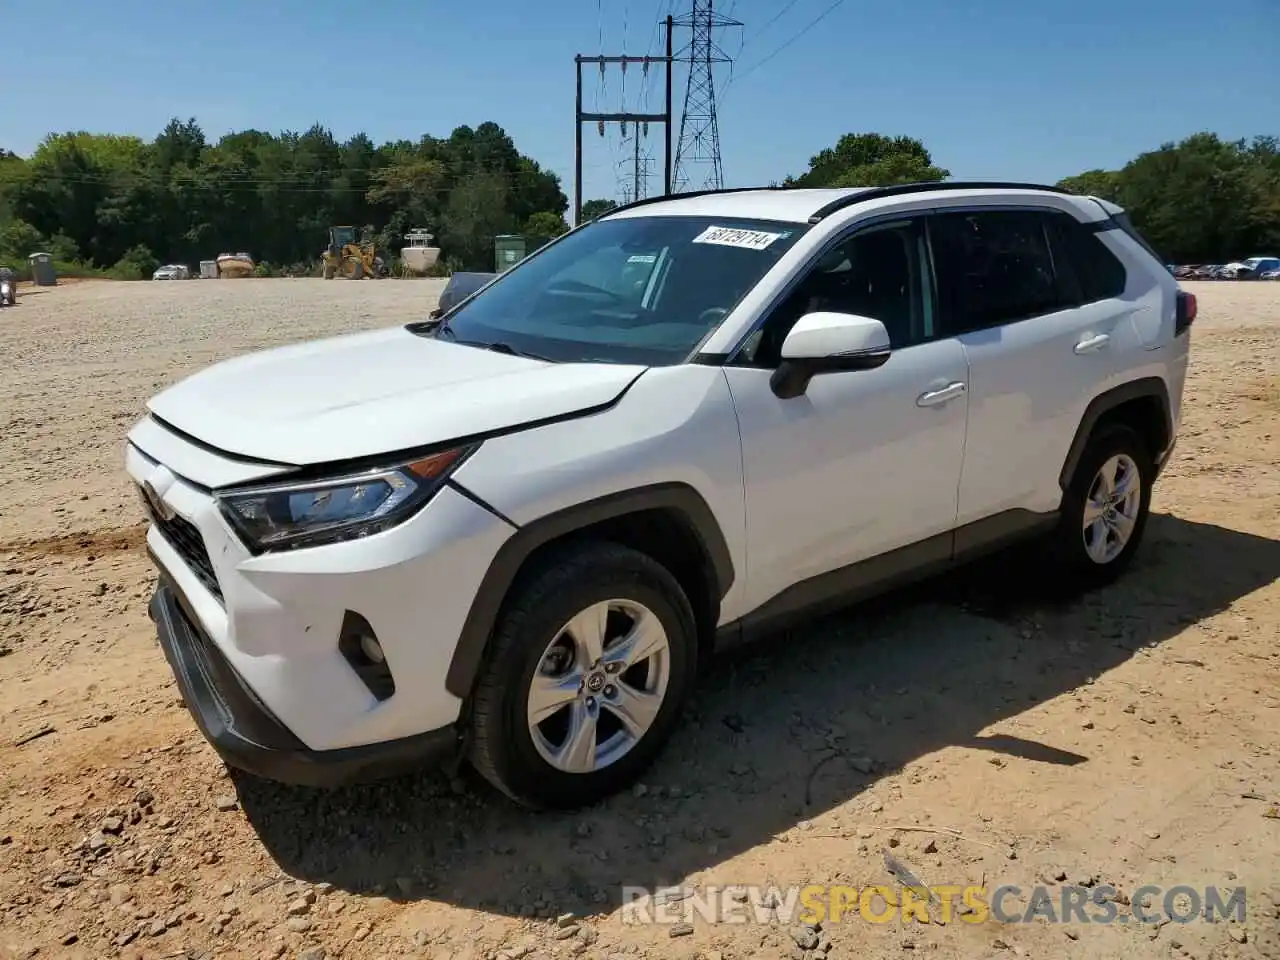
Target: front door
864, 462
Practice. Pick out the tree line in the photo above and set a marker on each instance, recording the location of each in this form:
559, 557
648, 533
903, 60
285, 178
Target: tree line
122, 204
119, 202
1203, 200
1200, 200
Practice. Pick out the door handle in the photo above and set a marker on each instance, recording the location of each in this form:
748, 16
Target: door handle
931, 398
1092, 344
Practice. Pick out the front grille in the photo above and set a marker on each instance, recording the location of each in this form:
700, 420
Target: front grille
183, 536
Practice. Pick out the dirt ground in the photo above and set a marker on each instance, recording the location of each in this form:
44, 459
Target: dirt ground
977, 729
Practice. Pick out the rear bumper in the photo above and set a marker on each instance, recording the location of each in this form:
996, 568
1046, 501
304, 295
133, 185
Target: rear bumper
246, 734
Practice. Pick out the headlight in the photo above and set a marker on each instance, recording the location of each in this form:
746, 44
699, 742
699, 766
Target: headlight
306, 514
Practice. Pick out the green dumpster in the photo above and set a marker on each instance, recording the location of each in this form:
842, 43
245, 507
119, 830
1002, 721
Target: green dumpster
510, 248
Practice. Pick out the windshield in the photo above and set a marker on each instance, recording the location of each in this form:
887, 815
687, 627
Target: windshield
640, 290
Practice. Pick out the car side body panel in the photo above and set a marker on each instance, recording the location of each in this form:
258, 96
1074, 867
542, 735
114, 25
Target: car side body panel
856, 467
675, 425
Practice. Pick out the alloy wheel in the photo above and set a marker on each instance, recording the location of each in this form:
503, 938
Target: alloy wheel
599, 686
1111, 508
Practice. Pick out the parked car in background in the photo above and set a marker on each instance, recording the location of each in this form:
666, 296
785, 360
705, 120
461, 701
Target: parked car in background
172, 271
1238, 270
1262, 266
459, 287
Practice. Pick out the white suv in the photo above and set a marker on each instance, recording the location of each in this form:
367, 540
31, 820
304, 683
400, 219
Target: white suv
512, 534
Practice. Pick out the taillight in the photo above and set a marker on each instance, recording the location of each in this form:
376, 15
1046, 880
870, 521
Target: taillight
1186, 314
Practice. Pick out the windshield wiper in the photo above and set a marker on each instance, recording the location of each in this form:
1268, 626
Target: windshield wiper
435, 323
500, 347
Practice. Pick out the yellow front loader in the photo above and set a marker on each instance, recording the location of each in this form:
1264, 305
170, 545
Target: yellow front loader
344, 257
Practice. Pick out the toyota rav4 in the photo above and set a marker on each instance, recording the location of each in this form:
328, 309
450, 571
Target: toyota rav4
512, 534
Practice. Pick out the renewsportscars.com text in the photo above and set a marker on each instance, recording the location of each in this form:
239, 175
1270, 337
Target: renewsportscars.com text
832, 903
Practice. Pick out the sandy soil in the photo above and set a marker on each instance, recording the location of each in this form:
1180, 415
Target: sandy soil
978, 729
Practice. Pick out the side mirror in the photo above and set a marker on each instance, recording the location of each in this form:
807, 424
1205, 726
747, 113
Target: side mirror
828, 343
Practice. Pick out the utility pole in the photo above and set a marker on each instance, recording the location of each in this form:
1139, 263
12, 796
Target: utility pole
699, 127
600, 119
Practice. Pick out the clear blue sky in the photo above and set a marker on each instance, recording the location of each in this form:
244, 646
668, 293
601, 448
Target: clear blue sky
1021, 90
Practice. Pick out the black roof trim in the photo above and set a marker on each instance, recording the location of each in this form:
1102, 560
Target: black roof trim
659, 198
902, 189
872, 193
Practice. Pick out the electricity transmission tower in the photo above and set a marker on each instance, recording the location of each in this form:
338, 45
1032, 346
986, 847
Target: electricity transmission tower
634, 171
699, 143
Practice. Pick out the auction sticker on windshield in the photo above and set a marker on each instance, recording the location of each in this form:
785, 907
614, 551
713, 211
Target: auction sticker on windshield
729, 237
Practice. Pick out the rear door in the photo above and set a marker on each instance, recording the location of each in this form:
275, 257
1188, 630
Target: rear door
1037, 303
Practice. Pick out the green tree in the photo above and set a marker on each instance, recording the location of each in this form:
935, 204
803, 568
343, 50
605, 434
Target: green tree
1202, 200
544, 224
19, 239
63, 248
870, 160
475, 213
596, 208
185, 198
1094, 183
138, 263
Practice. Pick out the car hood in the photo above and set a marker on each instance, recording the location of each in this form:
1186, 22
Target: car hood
374, 393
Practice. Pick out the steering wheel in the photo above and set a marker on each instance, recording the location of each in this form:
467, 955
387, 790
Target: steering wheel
712, 315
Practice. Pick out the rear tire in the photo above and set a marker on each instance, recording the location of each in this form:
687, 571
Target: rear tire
632, 603
1105, 507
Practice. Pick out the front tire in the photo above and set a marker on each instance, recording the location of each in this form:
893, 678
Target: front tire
1105, 508
590, 665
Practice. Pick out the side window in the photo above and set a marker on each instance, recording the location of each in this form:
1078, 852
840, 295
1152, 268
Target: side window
1096, 272
878, 272
993, 267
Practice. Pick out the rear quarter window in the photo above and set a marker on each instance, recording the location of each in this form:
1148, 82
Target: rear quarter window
1122, 221
1097, 273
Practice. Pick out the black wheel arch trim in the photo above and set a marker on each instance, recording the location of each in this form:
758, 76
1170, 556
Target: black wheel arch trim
1146, 387
680, 497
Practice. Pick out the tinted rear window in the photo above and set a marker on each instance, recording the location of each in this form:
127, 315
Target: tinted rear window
1124, 223
1089, 270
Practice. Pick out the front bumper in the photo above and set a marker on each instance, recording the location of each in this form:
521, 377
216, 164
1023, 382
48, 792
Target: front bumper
246, 734
283, 624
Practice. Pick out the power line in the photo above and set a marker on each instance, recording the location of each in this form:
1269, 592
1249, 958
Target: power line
769, 23
649, 48
777, 50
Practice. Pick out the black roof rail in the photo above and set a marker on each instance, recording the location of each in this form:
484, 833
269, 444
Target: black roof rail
680, 196
901, 189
